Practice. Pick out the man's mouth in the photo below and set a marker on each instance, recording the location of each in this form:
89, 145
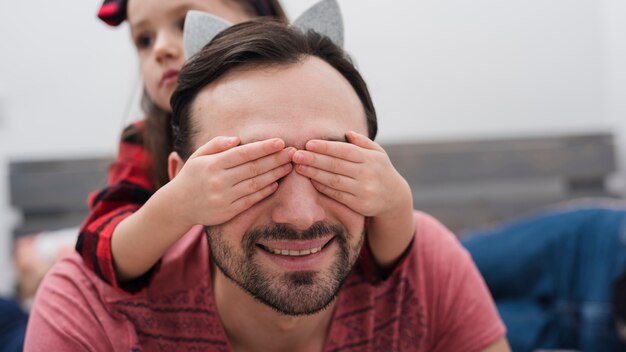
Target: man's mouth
295, 249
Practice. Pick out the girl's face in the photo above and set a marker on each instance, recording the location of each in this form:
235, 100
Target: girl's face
157, 31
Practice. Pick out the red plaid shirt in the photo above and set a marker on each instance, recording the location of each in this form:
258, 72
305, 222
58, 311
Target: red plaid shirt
129, 186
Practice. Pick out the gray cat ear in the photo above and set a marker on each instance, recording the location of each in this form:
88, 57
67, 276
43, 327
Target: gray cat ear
200, 29
323, 18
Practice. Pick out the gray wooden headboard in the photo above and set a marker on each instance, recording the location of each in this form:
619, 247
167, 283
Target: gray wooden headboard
52, 194
466, 184
472, 184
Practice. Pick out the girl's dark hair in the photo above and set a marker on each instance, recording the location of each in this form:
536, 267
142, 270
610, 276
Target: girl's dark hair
261, 42
157, 136
157, 139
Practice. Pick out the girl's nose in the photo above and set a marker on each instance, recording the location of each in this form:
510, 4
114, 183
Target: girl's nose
168, 46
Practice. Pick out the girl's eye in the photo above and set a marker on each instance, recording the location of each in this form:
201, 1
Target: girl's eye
181, 23
144, 41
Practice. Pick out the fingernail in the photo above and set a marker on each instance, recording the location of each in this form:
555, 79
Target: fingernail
231, 140
311, 144
277, 143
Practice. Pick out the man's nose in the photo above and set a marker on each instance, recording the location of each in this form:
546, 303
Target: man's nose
297, 202
168, 45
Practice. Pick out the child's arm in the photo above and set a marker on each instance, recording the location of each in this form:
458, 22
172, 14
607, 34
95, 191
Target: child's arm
360, 175
129, 186
218, 181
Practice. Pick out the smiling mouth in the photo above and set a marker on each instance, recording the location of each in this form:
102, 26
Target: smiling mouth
292, 252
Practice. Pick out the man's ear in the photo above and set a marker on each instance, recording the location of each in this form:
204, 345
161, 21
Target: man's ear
174, 164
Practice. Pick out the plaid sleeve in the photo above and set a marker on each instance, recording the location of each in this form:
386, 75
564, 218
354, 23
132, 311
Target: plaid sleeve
129, 187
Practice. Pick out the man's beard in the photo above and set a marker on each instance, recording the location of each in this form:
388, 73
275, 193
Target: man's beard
292, 293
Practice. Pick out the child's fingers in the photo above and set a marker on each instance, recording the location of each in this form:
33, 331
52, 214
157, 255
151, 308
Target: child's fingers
335, 181
260, 166
340, 150
216, 145
259, 182
327, 163
342, 197
363, 141
246, 202
251, 151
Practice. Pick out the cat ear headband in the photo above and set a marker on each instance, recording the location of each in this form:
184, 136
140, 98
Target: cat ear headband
113, 12
323, 18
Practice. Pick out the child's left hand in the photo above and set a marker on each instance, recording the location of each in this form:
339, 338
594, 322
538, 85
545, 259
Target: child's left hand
358, 174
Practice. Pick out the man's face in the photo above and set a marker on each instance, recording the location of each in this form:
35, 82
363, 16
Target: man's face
292, 250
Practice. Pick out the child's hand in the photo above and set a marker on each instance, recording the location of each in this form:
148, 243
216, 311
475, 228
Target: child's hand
358, 174
222, 178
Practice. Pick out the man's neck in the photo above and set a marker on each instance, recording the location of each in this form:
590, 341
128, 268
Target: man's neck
253, 326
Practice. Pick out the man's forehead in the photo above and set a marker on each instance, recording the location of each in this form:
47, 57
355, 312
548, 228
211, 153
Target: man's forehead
298, 102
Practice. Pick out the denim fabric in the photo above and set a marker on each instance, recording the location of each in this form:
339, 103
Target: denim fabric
551, 276
12, 326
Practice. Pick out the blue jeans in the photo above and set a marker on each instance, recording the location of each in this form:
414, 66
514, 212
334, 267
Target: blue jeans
12, 326
551, 276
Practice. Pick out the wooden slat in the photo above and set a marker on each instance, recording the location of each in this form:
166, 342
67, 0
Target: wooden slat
33, 223
582, 157
462, 216
55, 185
469, 184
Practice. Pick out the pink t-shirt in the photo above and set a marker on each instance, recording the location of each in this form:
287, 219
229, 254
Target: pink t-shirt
434, 300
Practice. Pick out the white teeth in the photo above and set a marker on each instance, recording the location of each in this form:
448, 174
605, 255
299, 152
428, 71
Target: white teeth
294, 253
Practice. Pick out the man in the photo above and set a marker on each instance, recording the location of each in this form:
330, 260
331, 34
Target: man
291, 273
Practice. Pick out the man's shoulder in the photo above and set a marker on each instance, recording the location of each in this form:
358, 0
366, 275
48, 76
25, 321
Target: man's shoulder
181, 267
403, 305
70, 279
433, 241
68, 273
430, 230
75, 309
70, 311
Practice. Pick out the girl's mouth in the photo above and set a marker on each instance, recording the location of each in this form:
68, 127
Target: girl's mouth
169, 76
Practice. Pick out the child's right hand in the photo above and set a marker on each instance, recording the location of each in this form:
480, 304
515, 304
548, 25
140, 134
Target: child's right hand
222, 178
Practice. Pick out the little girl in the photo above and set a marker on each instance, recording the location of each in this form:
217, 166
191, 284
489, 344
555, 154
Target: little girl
134, 220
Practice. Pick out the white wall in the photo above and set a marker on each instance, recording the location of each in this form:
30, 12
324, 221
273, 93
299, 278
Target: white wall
65, 83
437, 69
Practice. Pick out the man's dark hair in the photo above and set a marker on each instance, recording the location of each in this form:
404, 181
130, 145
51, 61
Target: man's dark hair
257, 43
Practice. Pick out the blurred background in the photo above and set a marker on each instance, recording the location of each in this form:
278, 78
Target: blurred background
438, 71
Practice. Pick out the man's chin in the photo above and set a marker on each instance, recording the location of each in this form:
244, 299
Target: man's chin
292, 293
302, 293
298, 309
